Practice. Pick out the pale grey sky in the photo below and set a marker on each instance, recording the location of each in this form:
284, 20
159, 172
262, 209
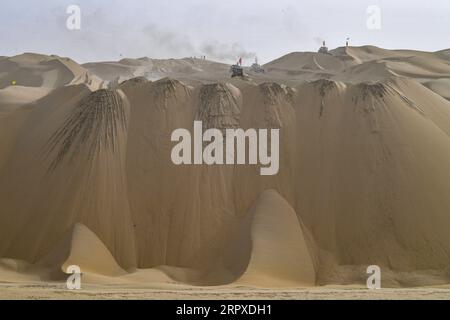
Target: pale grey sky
112, 29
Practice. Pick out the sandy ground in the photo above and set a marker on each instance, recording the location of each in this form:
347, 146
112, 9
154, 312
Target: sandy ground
87, 177
58, 291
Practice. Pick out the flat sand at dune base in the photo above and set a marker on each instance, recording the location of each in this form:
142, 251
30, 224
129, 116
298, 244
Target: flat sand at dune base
58, 291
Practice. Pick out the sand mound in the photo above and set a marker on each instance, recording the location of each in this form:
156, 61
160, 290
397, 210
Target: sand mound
81, 247
33, 70
94, 125
156, 69
280, 254
277, 100
13, 97
305, 61
220, 106
135, 82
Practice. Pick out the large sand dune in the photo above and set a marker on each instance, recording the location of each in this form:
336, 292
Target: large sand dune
86, 176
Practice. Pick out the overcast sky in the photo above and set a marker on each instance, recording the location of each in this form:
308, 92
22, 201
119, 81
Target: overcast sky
222, 30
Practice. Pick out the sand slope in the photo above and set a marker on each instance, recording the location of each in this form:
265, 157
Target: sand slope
57, 137
280, 255
364, 169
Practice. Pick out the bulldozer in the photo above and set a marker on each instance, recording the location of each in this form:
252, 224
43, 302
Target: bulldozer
236, 71
256, 67
323, 49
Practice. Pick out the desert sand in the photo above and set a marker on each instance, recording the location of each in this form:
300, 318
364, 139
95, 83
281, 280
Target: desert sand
86, 178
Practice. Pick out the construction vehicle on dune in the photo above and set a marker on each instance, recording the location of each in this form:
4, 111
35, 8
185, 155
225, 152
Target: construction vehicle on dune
237, 70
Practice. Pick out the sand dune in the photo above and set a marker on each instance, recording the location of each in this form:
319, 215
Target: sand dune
15, 96
280, 254
155, 69
86, 176
35, 70
81, 247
